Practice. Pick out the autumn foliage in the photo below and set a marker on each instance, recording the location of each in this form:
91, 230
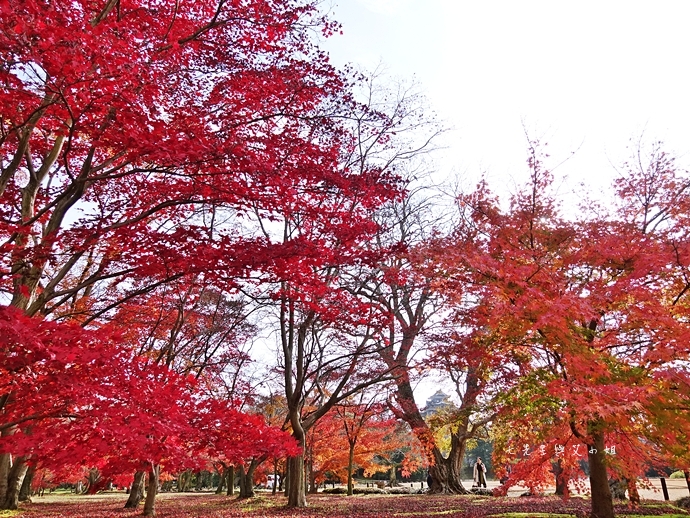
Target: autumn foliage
138, 140
177, 176
588, 319
77, 399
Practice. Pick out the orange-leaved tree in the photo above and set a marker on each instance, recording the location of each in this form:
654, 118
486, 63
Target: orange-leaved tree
590, 317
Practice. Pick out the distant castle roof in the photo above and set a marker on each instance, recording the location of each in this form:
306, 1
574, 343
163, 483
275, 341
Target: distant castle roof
435, 403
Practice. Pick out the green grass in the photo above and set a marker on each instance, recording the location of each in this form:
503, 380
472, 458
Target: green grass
552, 515
256, 503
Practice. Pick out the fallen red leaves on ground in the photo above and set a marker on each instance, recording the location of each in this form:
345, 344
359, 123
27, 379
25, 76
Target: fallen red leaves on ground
410, 506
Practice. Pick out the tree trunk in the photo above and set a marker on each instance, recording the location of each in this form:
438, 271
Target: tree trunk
602, 503
286, 478
392, 476
136, 493
296, 482
14, 483
25, 491
241, 474
561, 478
150, 504
183, 481
222, 476
446, 477
93, 478
247, 480
350, 467
446, 473
231, 480
275, 476
633, 493
311, 477
297, 496
5, 466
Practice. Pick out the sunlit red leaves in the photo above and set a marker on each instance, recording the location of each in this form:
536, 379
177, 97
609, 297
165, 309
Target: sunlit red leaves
167, 110
235, 437
75, 398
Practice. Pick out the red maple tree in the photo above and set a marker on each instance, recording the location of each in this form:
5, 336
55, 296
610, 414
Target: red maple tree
136, 137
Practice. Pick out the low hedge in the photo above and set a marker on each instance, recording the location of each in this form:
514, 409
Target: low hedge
684, 502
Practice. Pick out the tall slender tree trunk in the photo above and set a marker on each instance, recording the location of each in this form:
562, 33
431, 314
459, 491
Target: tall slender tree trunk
230, 480
136, 493
222, 477
6, 461
296, 480
25, 491
250, 478
313, 487
241, 475
5, 466
14, 483
275, 476
150, 503
286, 479
602, 503
350, 467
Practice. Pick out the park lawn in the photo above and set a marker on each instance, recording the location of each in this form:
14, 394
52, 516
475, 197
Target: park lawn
205, 505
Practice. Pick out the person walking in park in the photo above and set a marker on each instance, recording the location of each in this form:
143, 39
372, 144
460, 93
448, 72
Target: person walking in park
479, 473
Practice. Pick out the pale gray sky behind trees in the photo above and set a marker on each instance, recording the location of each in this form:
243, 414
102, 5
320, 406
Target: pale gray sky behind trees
585, 75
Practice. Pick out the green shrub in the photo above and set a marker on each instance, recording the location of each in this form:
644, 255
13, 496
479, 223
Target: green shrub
357, 491
335, 491
369, 491
402, 491
677, 474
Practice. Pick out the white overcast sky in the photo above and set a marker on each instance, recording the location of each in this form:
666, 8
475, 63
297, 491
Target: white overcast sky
585, 75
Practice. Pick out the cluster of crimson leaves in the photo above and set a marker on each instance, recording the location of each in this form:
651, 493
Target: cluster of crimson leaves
324, 506
82, 398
